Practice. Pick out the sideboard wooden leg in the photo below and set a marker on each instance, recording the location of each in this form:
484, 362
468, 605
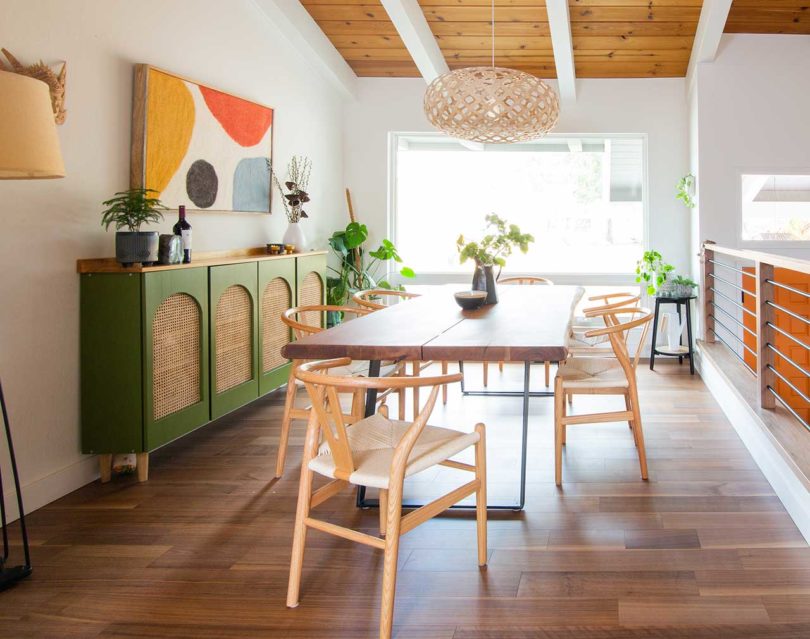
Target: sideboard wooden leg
143, 466
105, 467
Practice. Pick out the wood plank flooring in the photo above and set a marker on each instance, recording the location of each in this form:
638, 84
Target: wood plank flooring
702, 550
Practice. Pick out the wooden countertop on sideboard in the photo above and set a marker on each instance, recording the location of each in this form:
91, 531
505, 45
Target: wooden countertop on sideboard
213, 258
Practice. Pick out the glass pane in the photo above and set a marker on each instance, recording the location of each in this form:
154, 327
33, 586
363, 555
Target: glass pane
776, 208
581, 199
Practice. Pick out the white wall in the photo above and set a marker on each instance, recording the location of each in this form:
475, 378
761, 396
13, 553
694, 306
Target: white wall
753, 105
655, 107
47, 225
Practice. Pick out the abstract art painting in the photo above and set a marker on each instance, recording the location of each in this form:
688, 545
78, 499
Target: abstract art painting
200, 147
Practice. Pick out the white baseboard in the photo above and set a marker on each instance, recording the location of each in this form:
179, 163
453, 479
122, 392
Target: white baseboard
790, 489
44, 490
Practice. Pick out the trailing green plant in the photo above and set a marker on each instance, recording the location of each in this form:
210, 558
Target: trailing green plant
652, 270
131, 209
684, 193
360, 269
496, 246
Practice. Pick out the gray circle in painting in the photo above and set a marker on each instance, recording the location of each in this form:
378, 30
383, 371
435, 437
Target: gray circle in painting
202, 184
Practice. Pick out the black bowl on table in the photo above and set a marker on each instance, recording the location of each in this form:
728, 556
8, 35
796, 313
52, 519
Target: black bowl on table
470, 300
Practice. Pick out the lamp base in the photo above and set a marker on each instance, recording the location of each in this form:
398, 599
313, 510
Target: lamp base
10, 576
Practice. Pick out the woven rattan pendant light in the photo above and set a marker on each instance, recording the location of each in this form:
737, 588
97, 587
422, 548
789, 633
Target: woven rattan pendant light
491, 104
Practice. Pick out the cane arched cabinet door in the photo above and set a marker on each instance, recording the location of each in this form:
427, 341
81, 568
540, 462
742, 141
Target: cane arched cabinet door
234, 337
276, 294
175, 354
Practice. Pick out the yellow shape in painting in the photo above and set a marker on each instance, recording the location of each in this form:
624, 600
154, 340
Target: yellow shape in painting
169, 124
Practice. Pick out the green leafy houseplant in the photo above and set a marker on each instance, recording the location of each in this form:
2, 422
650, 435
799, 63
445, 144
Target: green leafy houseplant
652, 270
358, 268
684, 286
130, 210
684, 193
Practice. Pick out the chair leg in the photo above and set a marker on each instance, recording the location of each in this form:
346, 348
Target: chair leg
548, 373
486, 374
481, 494
444, 388
389, 584
628, 407
417, 367
570, 399
559, 412
638, 431
301, 513
383, 508
286, 421
500, 368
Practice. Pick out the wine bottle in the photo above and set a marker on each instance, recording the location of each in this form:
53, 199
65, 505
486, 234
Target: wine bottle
183, 229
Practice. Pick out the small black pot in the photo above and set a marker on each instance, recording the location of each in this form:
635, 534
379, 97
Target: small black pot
484, 280
132, 247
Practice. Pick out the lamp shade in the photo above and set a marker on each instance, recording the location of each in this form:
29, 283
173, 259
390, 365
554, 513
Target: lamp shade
29, 146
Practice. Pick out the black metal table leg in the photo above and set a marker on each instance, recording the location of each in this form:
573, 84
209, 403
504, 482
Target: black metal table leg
371, 408
689, 337
654, 334
524, 443
680, 335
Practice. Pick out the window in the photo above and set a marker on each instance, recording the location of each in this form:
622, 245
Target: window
582, 198
775, 208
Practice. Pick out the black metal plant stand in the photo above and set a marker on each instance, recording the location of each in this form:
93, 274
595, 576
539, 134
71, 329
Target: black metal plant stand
683, 351
9, 575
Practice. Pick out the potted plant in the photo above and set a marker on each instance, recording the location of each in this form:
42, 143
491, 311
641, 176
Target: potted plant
130, 209
492, 250
683, 286
359, 269
652, 270
297, 182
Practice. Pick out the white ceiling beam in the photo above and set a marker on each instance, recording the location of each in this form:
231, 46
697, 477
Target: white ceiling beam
559, 23
712, 23
415, 32
294, 23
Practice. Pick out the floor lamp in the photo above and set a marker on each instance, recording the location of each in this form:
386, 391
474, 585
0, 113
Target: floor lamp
29, 150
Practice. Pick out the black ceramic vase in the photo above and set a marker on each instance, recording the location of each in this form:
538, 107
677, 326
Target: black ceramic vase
484, 280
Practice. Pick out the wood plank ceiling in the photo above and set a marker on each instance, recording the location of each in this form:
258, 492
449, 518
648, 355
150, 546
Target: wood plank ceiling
769, 16
612, 38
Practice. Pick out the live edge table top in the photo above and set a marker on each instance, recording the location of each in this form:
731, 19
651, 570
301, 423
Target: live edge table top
530, 323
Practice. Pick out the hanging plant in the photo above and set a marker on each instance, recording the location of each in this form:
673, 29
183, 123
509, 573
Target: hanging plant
686, 189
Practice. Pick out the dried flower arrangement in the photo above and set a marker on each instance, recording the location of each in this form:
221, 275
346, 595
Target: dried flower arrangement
298, 172
41, 71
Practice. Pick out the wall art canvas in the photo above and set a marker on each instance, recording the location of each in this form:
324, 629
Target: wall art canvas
198, 146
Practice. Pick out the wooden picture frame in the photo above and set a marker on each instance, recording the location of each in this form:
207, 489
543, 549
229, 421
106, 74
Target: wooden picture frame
199, 146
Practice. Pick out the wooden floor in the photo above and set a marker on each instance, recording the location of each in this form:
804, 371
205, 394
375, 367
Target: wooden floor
702, 550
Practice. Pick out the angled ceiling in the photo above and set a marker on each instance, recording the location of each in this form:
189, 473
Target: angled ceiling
611, 38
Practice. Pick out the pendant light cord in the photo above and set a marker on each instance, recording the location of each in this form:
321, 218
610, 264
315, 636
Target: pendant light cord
493, 34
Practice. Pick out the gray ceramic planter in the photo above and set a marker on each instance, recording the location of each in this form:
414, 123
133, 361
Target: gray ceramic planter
132, 247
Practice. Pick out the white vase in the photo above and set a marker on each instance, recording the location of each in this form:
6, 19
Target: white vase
295, 235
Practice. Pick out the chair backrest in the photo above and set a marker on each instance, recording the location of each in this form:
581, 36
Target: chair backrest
379, 298
323, 390
610, 301
526, 280
307, 320
619, 324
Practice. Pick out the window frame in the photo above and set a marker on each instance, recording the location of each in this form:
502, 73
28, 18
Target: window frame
595, 278
738, 218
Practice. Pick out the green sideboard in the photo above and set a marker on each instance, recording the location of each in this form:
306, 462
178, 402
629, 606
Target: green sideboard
167, 349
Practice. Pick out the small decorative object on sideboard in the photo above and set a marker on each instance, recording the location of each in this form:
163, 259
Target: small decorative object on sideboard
652, 271
298, 172
171, 250
130, 209
492, 250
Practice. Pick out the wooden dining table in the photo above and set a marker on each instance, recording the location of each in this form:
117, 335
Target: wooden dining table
528, 324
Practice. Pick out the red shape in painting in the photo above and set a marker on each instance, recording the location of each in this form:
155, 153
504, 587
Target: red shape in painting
246, 122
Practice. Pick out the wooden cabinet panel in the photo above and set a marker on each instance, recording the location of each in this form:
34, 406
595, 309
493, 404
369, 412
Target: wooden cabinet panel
234, 336
276, 294
311, 286
175, 356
